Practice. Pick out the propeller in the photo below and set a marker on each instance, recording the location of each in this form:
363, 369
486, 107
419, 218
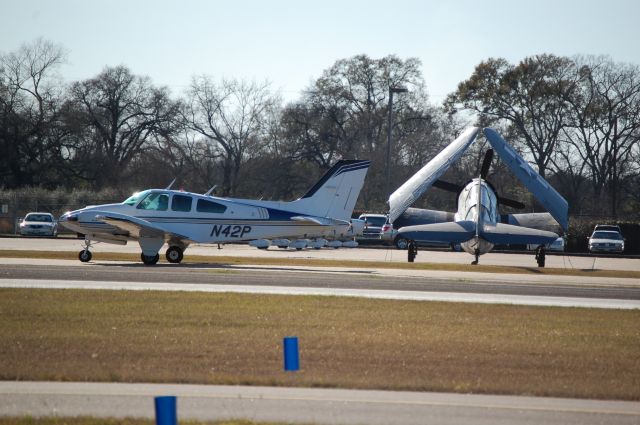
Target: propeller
484, 170
486, 164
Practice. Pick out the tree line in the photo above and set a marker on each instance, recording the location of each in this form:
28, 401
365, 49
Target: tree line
576, 119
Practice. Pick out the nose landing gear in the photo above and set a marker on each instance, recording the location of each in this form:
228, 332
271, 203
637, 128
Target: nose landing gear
85, 254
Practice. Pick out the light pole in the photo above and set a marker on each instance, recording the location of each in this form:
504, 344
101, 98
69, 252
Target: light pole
392, 90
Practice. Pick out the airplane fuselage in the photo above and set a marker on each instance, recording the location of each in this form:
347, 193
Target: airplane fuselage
199, 218
477, 202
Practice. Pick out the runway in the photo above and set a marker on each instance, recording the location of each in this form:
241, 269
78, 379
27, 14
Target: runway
415, 285
306, 405
362, 253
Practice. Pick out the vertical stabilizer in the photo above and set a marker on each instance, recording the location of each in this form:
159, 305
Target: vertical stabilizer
335, 194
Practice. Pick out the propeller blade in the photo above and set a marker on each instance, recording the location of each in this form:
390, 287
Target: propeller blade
449, 187
486, 163
511, 203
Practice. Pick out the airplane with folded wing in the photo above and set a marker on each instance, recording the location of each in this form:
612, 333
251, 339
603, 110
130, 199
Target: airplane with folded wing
158, 216
477, 225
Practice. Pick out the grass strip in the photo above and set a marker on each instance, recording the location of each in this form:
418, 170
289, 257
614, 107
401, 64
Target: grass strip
266, 261
206, 338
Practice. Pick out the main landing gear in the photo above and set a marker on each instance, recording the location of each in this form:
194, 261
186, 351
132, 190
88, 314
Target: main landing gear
541, 253
412, 251
149, 260
174, 254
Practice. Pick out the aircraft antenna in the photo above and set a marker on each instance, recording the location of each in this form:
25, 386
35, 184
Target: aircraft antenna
210, 191
170, 184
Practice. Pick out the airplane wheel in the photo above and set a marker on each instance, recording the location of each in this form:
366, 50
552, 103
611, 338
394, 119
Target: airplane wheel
149, 260
84, 256
174, 254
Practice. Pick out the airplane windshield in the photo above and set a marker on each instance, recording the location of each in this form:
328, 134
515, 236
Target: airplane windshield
133, 199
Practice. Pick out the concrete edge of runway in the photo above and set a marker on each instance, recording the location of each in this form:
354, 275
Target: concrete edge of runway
90, 395
527, 300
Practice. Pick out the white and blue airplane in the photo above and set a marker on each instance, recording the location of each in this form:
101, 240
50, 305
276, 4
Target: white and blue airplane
158, 216
477, 224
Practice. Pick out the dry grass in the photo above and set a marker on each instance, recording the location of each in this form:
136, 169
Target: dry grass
344, 342
191, 259
110, 421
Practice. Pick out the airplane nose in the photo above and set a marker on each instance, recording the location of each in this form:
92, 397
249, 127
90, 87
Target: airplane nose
68, 217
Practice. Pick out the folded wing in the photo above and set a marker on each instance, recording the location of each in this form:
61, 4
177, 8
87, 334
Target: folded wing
544, 193
413, 188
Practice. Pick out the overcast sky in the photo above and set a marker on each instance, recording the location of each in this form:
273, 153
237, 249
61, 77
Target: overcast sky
290, 43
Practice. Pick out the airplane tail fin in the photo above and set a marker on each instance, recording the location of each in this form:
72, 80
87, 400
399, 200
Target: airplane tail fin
335, 194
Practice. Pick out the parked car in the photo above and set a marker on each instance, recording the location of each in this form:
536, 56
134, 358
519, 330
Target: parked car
39, 224
373, 224
606, 241
608, 227
557, 245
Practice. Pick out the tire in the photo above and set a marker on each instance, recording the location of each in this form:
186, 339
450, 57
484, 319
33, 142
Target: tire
401, 243
84, 256
148, 260
174, 254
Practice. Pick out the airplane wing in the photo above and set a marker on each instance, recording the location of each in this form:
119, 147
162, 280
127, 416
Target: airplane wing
137, 227
413, 188
544, 193
508, 234
455, 232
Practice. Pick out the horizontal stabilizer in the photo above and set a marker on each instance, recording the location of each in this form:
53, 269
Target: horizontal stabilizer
507, 234
544, 193
413, 188
455, 232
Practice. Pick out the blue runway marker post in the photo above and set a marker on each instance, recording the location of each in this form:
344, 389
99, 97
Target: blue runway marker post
166, 412
291, 355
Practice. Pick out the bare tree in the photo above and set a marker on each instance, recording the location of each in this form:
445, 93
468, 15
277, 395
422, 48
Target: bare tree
118, 114
605, 126
30, 99
231, 116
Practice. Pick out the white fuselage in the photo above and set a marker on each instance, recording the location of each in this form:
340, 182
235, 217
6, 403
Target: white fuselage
478, 203
199, 218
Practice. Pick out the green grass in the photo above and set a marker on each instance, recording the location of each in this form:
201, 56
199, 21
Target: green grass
77, 335
257, 260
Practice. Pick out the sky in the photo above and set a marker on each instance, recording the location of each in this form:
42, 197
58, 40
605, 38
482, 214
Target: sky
291, 42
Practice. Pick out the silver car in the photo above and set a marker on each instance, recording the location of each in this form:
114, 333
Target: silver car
606, 241
38, 224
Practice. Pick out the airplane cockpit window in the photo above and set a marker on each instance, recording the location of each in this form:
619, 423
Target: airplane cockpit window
181, 203
210, 207
133, 199
155, 201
